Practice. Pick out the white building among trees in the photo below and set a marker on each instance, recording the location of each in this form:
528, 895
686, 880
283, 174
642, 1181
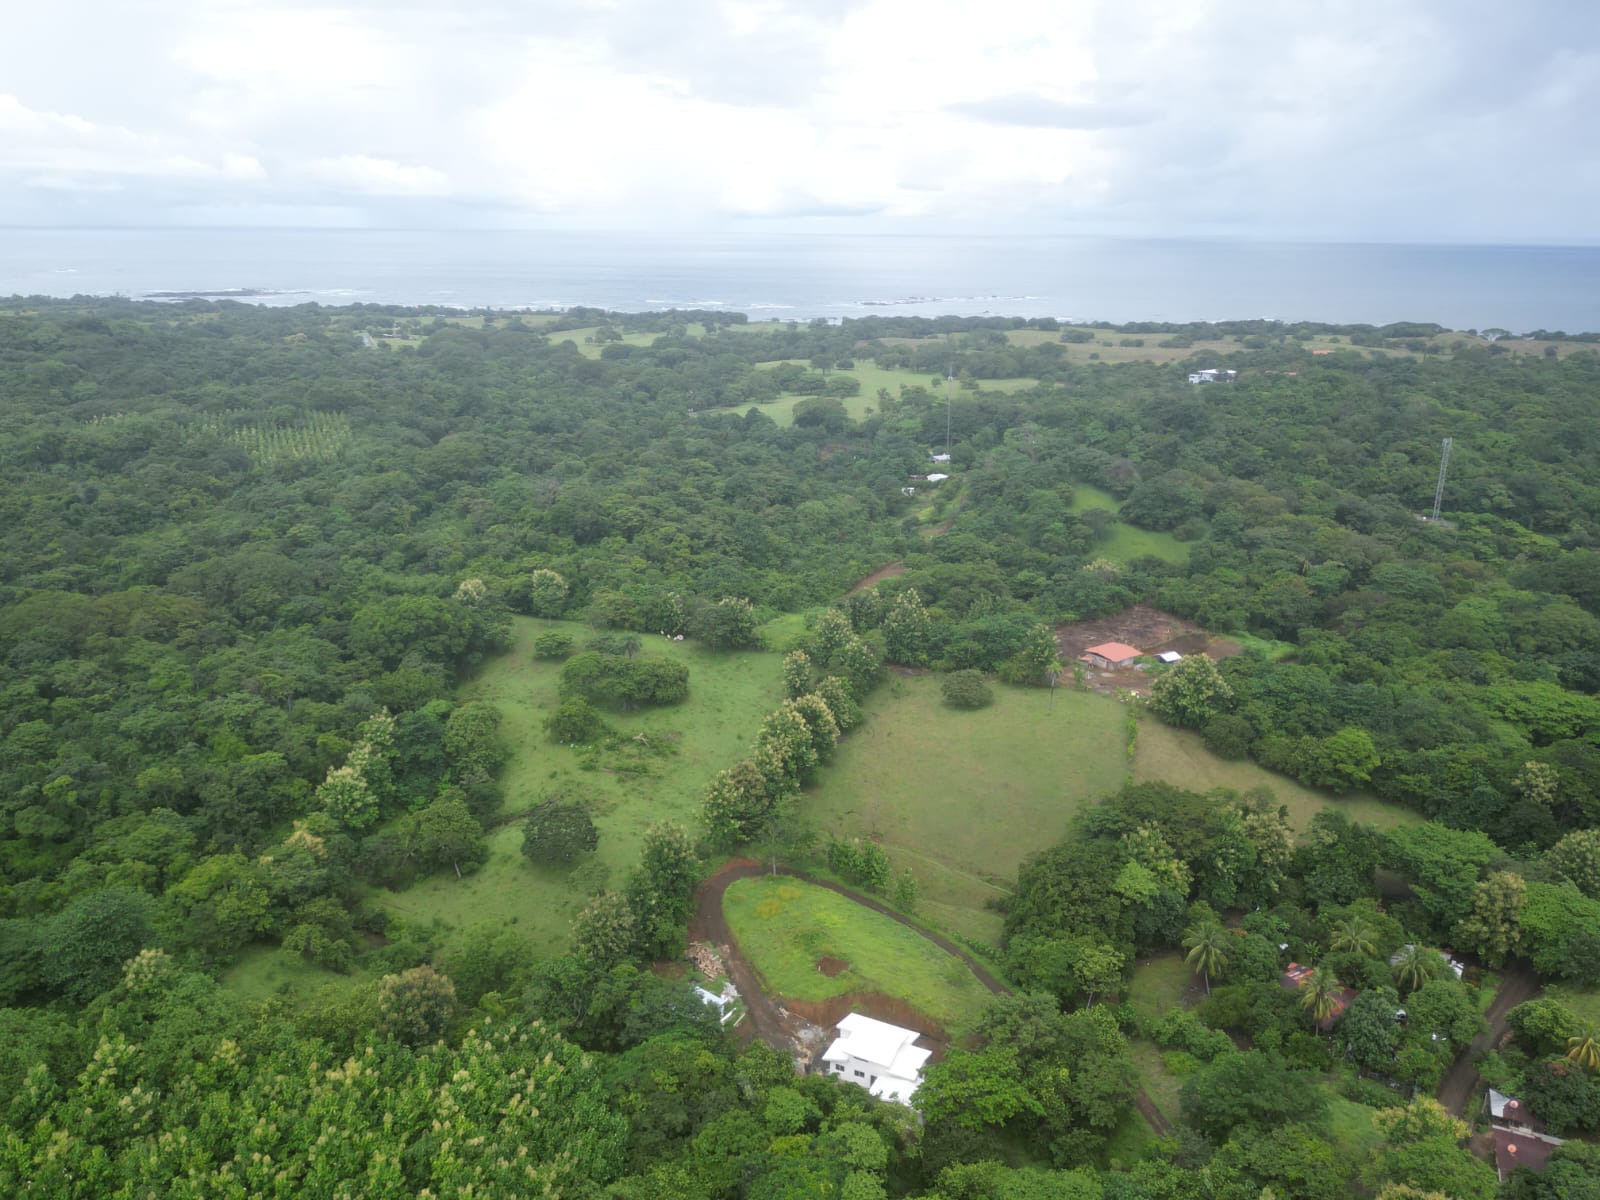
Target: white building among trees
880, 1057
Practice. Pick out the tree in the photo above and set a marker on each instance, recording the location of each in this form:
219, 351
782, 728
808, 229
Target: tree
557, 832
1584, 1049
820, 721
661, 890
1414, 965
345, 796
737, 804
86, 943
975, 1089
1421, 1150
1190, 692
908, 630
797, 674
786, 751
1494, 926
729, 624
1577, 858
416, 1006
1344, 760
1250, 1090
447, 832
605, 933
552, 643
966, 689
1319, 995
1354, 935
547, 593
576, 722
1561, 932
1206, 943
1368, 1030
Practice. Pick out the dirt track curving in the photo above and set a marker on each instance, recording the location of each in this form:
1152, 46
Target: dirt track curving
1460, 1082
777, 1026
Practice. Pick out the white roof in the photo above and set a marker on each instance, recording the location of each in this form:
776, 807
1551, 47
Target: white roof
1170, 656
1497, 1103
878, 1042
936, 478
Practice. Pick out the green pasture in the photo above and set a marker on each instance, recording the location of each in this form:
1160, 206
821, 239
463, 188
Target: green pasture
962, 797
873, 377
783, 926
1157, 984
1179, 756
729, 694
263, 972
1585, 1003
1127, 542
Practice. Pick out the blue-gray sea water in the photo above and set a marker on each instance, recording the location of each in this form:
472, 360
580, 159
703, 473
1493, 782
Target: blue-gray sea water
801, 276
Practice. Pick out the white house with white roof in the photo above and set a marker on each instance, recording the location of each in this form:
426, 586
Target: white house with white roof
880, 1057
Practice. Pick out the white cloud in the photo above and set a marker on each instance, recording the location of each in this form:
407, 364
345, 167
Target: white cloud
1152, 115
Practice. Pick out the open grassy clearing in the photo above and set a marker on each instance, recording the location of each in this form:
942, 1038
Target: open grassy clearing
1160, 1084
784, 927
1179, 756
872, 377
266, 971
729, 694
1127, 542
1585, 1003
1350, 1129
1157, 984
963, 797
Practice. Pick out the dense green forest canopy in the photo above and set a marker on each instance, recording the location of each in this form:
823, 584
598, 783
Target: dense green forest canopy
250, 553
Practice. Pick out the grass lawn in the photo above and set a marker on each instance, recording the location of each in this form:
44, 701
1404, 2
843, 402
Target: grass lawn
1160, 1084
729, 694
1584, 1003
1157, 985
963, 797
1179, 756
784, 926
872, 377
266, 971
1350, 1129
1130, 1141
1127, 542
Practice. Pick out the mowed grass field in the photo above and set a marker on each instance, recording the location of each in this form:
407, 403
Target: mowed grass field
1179, 756
784, 927
729, 694
961, 798
872, 377
1127, 542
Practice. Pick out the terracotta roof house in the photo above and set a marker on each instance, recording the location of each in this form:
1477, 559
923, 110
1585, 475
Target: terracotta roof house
1109, 654
1513, 1150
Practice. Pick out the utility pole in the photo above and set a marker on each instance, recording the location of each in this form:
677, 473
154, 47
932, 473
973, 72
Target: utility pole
1444, 465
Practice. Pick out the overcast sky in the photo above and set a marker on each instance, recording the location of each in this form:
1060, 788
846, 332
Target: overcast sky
1345, 119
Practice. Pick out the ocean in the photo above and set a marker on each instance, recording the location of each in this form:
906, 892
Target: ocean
804, 276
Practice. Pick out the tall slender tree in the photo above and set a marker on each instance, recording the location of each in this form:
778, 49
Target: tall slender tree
1206, 941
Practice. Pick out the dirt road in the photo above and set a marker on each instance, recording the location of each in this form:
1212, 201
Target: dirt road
1461, 1080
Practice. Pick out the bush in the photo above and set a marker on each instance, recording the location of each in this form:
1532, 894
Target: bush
966, 689
557, 833
578, 723
1228, 736
552, 644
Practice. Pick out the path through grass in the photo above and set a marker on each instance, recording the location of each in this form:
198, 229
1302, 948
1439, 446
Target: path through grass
784, 927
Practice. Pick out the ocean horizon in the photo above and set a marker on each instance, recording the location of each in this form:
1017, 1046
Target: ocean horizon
802, 276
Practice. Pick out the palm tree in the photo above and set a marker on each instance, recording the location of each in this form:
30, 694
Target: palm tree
1415, 965
1319, 995
1355, 935
1205, 941
1585, 1051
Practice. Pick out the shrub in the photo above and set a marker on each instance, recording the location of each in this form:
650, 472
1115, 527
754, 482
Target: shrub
552, 644
966, 689
576, 722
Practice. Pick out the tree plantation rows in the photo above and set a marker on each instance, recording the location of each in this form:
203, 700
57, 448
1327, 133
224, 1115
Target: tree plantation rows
249, 558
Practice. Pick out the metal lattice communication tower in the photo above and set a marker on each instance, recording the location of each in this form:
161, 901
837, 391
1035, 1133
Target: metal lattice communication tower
1444, 466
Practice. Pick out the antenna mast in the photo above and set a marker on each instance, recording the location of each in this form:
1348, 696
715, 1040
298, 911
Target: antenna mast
1444, 465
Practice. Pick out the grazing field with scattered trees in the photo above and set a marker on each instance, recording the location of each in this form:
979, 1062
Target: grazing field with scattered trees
374, 706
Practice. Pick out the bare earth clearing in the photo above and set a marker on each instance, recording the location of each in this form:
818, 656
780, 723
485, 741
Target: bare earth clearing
1146, 628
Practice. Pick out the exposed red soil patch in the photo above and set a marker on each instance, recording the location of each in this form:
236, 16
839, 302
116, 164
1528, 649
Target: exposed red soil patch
1143, 626
831, 967
887, 571
1221, 648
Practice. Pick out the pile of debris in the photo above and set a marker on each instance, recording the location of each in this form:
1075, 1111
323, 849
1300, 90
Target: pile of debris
707, 960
